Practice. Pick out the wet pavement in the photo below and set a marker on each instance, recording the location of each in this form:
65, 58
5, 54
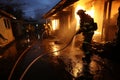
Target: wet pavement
48, 60
8, 56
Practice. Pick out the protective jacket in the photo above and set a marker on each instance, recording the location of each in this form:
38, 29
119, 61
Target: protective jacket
87, 23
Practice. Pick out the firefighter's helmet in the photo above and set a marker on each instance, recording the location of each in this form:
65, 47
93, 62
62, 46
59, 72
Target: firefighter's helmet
81, 11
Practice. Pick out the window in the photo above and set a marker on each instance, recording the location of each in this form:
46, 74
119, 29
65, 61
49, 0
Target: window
7, 23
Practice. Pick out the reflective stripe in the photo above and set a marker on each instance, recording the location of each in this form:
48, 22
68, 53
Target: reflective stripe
86, 23
87, 52
86, 42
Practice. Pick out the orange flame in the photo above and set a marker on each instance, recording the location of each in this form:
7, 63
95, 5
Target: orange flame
91, 12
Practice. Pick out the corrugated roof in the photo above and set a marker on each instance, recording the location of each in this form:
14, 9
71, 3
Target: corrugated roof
58, 7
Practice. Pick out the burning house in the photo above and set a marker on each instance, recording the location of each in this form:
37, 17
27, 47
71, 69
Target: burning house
64, 20
6, 34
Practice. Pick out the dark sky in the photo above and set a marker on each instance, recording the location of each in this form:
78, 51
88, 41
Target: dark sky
31, 7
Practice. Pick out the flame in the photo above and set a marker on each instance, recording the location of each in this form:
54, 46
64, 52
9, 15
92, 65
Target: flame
76, 16
90, 11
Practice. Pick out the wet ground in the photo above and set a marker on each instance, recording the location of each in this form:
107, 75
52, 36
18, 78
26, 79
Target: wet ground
48, 60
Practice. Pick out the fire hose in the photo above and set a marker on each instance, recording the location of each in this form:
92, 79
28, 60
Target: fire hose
21, 78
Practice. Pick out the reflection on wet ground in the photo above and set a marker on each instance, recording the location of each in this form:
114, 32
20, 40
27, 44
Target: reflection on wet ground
8, 56
75, 65
101, 68
49, 61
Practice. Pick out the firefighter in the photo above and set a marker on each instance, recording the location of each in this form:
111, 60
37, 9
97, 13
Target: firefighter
87, 27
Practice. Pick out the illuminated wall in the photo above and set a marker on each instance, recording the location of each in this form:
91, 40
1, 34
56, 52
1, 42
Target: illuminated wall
55, 24
95, 8
6, 31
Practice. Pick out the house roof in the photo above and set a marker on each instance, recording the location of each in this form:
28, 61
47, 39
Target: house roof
58, 7
7, 14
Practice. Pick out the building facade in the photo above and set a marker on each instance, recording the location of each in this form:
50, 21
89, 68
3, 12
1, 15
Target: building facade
5, 28
63, 18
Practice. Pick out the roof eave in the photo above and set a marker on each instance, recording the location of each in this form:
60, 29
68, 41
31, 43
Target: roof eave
58, 7
7, 14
